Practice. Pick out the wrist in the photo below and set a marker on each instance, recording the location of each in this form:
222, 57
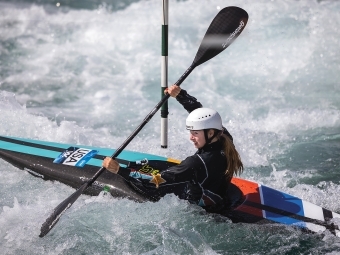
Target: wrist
117, 169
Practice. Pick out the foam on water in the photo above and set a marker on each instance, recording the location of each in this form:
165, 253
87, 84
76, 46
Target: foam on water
90, 76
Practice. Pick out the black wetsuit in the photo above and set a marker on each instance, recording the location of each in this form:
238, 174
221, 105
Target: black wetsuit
202, 173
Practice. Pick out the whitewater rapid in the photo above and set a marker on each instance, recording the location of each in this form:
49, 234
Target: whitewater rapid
88, 73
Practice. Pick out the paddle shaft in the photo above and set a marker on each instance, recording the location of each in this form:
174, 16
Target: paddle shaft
140, 127
67, 203
228, 23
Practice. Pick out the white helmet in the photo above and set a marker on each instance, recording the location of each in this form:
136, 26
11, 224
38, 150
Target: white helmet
204, 118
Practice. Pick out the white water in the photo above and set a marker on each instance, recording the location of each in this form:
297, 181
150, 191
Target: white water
90, 76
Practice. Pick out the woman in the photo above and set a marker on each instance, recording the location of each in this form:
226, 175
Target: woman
208, 172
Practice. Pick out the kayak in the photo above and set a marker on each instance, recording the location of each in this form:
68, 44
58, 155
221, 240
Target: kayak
71, 164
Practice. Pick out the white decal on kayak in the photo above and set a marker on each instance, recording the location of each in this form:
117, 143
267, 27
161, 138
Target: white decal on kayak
95, 183
34, 173
75, 157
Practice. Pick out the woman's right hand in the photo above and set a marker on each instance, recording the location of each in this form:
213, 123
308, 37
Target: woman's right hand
111, 165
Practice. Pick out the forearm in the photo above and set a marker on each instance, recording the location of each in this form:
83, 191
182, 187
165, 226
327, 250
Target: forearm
189, 102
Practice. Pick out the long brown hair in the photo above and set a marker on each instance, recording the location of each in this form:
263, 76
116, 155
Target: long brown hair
235, 165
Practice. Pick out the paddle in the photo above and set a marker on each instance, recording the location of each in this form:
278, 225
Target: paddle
223, 30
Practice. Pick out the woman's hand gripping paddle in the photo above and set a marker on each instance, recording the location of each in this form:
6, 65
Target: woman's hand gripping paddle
223, 30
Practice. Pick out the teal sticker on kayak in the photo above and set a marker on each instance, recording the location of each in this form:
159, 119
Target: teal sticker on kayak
74, 156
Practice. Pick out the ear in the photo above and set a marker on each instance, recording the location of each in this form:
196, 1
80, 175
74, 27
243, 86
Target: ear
210, 133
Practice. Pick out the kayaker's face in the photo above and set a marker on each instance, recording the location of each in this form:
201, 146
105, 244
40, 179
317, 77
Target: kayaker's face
197, 137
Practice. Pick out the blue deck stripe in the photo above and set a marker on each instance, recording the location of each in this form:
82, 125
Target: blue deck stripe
28, 150
285, 202
31, 150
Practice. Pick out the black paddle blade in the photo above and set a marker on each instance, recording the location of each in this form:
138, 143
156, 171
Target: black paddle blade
59, 210
223, 30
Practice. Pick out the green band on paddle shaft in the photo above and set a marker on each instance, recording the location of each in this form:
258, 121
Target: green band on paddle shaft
164, 108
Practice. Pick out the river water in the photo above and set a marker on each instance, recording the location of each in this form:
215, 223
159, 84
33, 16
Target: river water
88, 72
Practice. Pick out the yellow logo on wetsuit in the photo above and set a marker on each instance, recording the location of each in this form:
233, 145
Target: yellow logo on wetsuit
149, 170
156, 176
